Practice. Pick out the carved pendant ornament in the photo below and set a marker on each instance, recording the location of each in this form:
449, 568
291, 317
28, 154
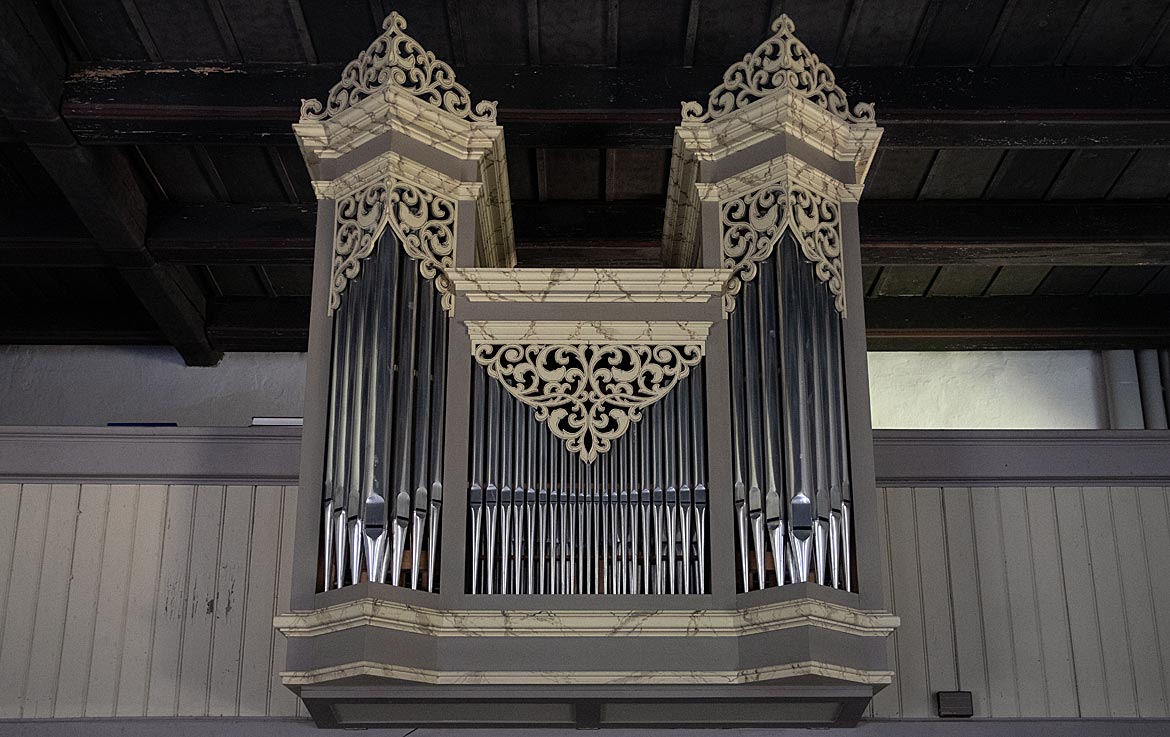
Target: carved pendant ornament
397, 60
753, 224
588, 394
781, 62
423, 221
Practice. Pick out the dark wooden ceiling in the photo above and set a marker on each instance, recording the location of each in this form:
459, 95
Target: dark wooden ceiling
151, 191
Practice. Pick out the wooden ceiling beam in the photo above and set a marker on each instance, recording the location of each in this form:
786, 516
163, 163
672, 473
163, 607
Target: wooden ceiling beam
892, 233
1016, 323
892, 323
587, 106
99, 184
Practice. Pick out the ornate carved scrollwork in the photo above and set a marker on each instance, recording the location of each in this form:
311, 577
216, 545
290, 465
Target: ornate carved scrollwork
396, 59
423, 221
753, 223
781, 62
588, 394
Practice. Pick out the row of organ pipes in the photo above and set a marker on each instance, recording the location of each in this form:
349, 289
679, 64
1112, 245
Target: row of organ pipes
632, 521
791, 482
542, 521
383, 482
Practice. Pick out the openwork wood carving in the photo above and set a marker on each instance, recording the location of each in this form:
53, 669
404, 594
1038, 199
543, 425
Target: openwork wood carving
396, 59
423, 221
781, 62
753, 224
588, 394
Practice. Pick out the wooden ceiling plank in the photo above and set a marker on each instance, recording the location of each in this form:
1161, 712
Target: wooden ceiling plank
923, 107
101, 188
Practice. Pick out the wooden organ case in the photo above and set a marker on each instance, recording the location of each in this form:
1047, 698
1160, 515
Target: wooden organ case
582, 496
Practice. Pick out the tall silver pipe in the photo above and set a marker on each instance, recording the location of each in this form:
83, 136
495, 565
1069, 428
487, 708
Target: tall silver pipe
475, 493
404, 415
815, 299
438, 419
422, 426
773, 456
683, 412
657, 497
755, 492
329, 486
802, 513
377, 395
738, 439
507, 477
491, 490
670, 455
519, 495
699, 433
342, 435
358, 431
542, 509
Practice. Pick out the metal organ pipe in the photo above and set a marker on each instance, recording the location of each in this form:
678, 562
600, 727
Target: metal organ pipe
791, 488
379, 400
634, 520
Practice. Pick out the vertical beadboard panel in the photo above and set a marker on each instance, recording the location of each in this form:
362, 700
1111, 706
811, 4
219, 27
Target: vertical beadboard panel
45, 659
1051, 603
934, 578
1138, 602
162, 684
199, 613
971, 662
23, 588
231, 601
911, 646
1088, 658
1154, 512
149, 530
153, 600
995, 607
9, 511
1023, 610
281, 701
886, 704
263, 563
113, 593
1106, 574
81, 609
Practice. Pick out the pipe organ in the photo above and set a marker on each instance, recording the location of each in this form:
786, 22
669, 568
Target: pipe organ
586, 496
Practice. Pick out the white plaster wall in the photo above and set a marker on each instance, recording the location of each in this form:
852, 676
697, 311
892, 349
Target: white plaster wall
96, 385
992, 390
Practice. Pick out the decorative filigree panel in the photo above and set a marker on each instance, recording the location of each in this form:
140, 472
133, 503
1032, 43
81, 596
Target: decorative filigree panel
396, 59
423, 221
782, 62
753, 223
587, 393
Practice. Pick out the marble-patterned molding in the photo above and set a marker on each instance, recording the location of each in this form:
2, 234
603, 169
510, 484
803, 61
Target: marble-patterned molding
590, 285
586, 678
786, 113
392, 110
593, 332
587, 623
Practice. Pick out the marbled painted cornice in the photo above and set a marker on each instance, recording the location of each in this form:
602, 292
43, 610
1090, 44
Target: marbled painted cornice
596, 332
590, 285
586, 678
587, 623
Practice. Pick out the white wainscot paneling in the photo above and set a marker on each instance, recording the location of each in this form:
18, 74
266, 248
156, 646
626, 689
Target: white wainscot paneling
143, 600
1042, 601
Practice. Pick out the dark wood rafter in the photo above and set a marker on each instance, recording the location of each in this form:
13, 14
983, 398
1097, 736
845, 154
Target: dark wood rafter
590, 106
99, 184
1016, 323
892, 323
928, 233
